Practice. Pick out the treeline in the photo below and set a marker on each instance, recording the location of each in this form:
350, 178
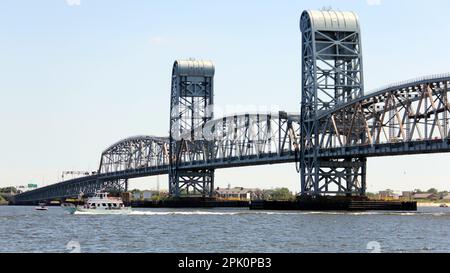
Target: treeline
417, 191
433, 191
6, 193
278, 194
8, 190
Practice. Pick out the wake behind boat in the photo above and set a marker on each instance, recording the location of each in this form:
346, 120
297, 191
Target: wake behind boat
41, 207
100, 203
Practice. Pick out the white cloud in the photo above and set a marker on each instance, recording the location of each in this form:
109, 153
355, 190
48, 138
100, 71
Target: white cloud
373, 2
73, 2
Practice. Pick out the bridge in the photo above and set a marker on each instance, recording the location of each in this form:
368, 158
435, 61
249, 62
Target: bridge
339, 125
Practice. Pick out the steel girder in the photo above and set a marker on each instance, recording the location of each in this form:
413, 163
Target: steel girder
332, 74
135, 153
240, 138
191, 106
406, 118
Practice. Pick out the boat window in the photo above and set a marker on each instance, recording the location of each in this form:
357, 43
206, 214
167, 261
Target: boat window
115, 205
103, 204
98, 205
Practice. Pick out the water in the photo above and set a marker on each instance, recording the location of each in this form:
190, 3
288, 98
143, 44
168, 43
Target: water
22, 229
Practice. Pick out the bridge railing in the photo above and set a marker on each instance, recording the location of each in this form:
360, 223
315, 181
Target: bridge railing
411, 82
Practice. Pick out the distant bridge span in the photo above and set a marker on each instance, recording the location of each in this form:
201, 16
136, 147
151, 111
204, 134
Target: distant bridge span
249, 140
338, 128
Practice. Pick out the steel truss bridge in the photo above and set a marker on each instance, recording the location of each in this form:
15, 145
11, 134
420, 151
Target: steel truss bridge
338, 128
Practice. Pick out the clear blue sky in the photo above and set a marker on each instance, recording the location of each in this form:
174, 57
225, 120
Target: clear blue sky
76, 76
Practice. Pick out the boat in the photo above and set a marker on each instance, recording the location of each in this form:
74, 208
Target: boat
443, 206
41, 207
100, 203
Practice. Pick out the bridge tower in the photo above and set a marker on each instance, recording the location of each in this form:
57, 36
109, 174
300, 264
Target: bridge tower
191, 107
332, 75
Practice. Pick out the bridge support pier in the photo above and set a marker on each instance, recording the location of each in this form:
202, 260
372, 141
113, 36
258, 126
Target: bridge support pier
332, 74
193, 183
191, 108
342, 177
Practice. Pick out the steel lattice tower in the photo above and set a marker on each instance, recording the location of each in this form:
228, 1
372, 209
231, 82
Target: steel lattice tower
332, 75
191, 107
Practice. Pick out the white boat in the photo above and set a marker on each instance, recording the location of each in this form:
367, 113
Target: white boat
100, 203
41, 207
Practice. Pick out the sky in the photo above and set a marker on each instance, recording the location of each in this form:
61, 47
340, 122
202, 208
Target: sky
79, 75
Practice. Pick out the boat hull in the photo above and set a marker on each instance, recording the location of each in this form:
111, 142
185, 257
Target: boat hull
82, 210
79, 210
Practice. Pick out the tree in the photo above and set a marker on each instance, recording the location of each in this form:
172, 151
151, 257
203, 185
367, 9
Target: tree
432, 190
2, 200
282, 194
442, 194
8, 190
371, 194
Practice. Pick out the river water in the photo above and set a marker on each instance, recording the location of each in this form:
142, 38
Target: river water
22, 229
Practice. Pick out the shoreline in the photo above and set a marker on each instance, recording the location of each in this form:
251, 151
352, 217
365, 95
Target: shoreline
431, 204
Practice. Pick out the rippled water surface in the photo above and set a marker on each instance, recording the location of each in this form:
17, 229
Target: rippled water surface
22, 229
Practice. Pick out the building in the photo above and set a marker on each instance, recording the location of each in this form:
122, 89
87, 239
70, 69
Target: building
136, 195
126, 197
425, 196
238, 193
407, 195
387, 194
147, 194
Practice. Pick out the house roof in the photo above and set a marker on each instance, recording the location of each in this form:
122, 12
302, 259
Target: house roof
423, 195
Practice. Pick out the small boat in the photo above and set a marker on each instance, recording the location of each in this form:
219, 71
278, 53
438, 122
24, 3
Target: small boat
443, 206
41, 207
100, 203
